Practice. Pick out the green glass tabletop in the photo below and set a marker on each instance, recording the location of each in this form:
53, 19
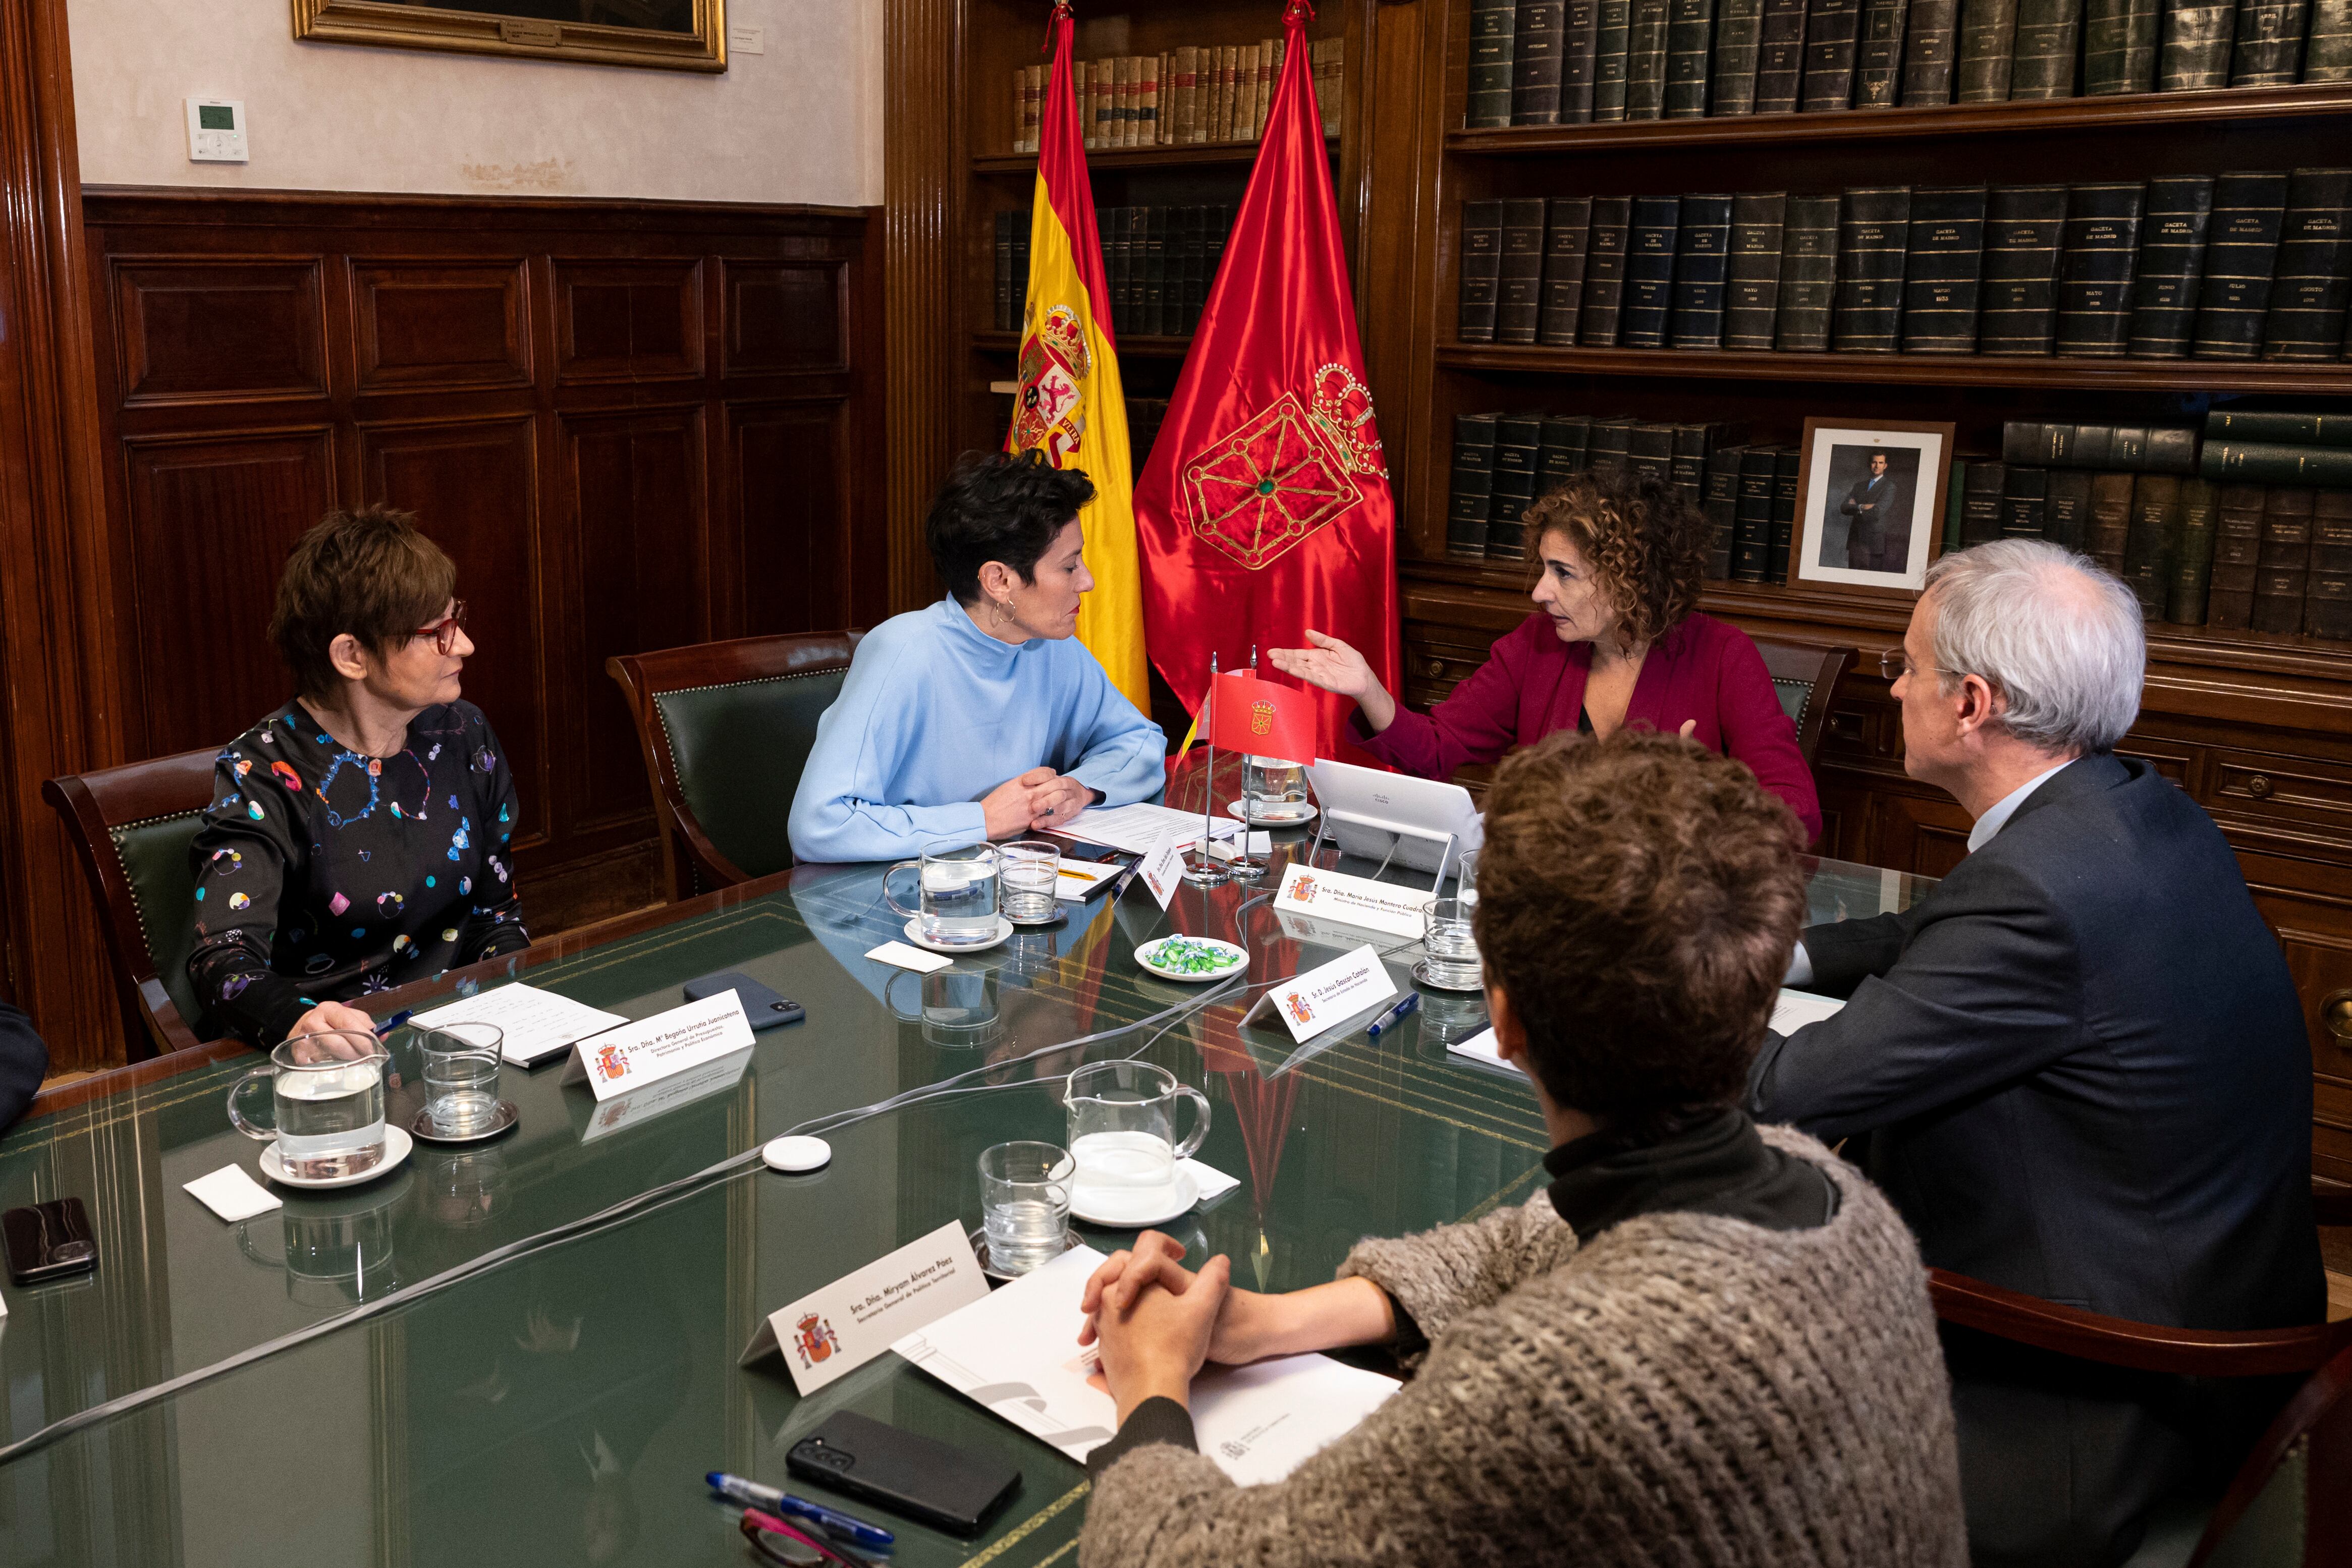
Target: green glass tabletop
562, 1405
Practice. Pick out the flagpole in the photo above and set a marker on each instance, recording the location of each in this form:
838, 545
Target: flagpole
1204, 872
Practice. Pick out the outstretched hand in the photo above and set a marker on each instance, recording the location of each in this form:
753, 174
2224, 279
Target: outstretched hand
1336, 667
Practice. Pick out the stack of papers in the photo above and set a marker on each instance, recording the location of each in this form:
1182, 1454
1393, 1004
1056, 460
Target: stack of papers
1793, 1011
1017, 1354
1134, 828
537, 1023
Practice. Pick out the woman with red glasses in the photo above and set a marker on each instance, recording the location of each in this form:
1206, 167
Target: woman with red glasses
357, 838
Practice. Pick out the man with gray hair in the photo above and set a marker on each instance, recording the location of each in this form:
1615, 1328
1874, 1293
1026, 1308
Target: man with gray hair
2078, 1065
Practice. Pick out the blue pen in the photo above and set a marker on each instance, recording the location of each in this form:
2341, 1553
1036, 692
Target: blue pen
752, 1494
1389, 1019
394, 1021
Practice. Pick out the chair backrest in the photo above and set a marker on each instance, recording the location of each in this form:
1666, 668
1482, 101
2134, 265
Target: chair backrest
726, 730
132, 826
1804, 675
2291, 1503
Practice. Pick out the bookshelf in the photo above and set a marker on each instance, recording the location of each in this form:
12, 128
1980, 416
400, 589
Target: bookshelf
2257, 727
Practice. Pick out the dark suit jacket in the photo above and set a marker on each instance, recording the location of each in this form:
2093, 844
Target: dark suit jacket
23, 1061
2082, 1065
1865, 538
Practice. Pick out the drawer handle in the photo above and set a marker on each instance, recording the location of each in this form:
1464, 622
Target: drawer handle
2259, 786
2336, 1014
1434, 668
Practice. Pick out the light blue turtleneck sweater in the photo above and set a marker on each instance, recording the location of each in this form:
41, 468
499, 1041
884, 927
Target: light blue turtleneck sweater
935, 713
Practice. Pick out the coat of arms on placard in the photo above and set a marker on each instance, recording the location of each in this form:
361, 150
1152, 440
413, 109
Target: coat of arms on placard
612, 1062
814, 1339
1303, 891
1289, 470
1049, 408
1300, 1009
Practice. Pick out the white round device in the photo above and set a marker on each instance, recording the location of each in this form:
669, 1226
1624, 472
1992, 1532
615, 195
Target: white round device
797, 1153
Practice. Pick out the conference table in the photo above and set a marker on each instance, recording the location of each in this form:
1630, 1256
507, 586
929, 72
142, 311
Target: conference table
562, 1403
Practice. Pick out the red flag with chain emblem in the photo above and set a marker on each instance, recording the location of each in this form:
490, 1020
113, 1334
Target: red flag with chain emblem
1264, 509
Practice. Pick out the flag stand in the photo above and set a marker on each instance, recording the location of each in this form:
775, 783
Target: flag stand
1200, 867
1244, 865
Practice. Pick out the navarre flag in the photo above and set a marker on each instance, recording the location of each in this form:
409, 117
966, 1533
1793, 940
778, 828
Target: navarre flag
1069, 403
1264, 509
1250, 714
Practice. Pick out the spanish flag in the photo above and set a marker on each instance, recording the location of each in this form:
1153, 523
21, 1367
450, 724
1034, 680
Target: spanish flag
1069, 403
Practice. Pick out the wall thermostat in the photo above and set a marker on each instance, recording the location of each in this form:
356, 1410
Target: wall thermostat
216, 131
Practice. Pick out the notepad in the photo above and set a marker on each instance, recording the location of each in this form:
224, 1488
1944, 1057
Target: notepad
1795, 1009
1134, 829
537, 1024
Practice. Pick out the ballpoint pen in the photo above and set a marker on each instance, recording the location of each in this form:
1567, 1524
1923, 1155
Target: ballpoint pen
752, 1494
1389, 1019
394, 1021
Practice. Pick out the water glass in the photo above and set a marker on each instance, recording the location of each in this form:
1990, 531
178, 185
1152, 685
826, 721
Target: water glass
1122, 1121
1274, 789
326, 1103
1024, 1204
956, 906
1033, 881
1465, 878
1453, 962
461, 1076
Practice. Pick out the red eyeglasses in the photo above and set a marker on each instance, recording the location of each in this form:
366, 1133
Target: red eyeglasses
444, 631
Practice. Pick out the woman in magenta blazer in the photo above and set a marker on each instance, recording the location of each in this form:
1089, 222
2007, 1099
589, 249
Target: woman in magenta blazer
1616, 640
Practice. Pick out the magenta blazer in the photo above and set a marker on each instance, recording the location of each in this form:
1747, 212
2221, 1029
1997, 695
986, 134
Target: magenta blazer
1533, 684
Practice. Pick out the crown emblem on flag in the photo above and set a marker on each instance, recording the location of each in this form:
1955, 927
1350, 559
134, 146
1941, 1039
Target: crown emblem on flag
1343, 414
1261, 718
1049, 412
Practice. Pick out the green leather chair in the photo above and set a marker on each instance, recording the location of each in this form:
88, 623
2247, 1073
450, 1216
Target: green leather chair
726, 729
132, 826
1804, 677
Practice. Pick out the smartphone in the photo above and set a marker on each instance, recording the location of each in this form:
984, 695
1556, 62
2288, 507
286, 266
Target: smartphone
764, 1007
47, 1240
904, 1473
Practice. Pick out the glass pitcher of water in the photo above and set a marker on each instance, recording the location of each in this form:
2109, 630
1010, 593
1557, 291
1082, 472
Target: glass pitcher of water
1123, 1117
957, 888
326, 1101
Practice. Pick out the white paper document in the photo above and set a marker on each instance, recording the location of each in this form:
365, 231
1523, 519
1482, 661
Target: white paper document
1329, 995
1480, 1048
908, 956
634, 1054
1134, 827
1078, 879
232, 1195
537, 1023
1016, 1354
1795, 1009
842, 1327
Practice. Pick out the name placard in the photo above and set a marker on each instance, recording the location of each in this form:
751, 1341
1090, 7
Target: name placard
635, 1054
842, 1327
1357, 901
1329, 995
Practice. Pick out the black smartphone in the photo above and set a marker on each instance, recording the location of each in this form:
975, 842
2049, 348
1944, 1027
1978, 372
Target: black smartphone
47, 1240
764, 1007
902, 1472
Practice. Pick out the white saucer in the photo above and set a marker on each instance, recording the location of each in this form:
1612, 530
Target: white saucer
1005, 929
1237, 961
1234, 810
396, 1146
1181, 1196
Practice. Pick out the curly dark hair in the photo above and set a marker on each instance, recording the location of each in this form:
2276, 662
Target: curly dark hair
1645, 541
1000, 506
370, 574
1638, 900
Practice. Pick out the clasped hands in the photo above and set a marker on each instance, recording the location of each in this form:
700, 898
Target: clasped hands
1158, 1321
1036, 801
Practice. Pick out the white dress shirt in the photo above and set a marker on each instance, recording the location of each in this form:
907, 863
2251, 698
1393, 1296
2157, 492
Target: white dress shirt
1995, 817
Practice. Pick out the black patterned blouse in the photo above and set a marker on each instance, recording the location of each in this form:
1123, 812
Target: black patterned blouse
322, 875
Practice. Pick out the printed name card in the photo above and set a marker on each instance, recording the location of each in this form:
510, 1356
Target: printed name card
1357, 901
1162, 867
635, 1054
842, 1327
1324, 996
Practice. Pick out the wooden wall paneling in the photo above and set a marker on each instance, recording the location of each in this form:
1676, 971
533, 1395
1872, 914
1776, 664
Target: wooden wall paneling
1398, 48
784, 317
474, 486
233, 327
924, 327
440, 326
58, 663
628, 321
635, 499
789, 467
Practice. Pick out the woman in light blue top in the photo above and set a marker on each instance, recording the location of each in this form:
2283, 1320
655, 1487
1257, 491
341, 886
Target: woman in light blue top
980, 717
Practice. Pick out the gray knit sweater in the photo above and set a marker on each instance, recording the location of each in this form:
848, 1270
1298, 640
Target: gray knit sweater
1685, 1390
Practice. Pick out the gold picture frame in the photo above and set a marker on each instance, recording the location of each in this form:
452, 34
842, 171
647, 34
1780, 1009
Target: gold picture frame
519, 28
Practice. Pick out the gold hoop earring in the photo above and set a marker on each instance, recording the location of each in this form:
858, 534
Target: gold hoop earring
1004, 612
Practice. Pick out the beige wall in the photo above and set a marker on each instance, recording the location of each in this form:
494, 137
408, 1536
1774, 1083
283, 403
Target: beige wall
802, 122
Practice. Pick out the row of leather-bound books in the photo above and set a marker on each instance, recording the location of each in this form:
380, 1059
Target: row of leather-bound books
2231, 266
2183, 518
1178, 98
1158, 263
1571, 62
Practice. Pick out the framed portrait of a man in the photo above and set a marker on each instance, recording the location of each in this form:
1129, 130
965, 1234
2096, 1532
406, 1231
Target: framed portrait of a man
675, 35
1870, 505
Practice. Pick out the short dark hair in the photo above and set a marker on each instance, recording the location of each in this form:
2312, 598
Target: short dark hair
370, 574
1645, 542
1882, 452
997, 506
1638, 900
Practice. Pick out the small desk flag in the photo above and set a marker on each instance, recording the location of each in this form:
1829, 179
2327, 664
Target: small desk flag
1250, 714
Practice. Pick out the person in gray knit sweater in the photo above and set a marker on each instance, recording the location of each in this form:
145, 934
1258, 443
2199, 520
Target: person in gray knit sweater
1705, 1342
